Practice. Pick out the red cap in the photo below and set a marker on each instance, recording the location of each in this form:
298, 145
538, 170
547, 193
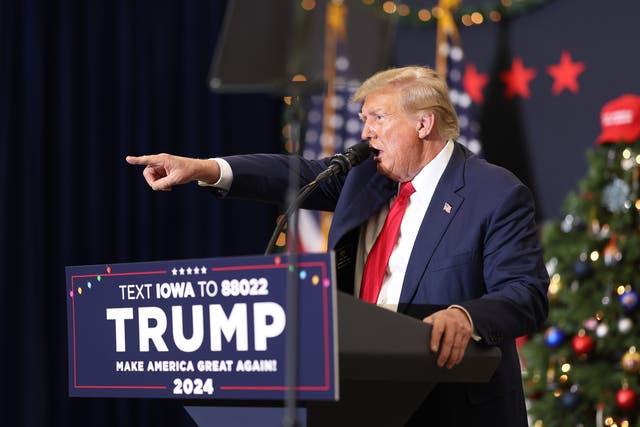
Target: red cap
620, 120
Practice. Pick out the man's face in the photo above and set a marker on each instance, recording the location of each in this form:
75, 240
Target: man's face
392, 135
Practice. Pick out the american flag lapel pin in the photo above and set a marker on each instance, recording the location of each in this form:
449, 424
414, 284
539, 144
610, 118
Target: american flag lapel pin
447, 207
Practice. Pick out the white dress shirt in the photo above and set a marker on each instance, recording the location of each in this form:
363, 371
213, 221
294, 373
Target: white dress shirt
226, 176
425, 184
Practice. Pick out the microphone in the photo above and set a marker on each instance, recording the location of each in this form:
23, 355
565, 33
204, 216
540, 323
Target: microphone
341, 163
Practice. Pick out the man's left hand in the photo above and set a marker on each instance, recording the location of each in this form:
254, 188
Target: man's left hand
450, 334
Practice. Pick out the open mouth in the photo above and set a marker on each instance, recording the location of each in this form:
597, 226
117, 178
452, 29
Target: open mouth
374, 151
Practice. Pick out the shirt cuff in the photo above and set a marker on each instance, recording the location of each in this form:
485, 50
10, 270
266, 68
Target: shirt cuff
226, 176
474, 336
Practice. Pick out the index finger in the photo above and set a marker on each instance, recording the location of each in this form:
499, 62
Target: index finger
140, 160
437, 331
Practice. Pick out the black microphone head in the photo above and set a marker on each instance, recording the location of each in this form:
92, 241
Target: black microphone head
358, 153
341, 163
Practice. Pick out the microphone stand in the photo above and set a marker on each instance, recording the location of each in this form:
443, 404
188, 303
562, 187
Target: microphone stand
290, 214
290, 418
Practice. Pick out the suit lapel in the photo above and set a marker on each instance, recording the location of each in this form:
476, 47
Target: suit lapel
444, 205
364, 193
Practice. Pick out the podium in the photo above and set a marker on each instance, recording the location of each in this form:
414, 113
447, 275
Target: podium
211, 333
384, 362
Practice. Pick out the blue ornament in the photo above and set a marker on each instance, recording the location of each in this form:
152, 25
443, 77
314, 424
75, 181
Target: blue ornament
570, 399
582, 269
553, 337
629, 300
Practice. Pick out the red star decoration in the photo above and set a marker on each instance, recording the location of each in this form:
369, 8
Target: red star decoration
565, 74
517, 79
473, 83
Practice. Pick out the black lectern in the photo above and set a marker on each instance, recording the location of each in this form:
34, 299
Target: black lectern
213, 330
384, 362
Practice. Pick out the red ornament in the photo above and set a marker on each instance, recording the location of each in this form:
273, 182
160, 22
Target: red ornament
582, 344
626, 399
521, 340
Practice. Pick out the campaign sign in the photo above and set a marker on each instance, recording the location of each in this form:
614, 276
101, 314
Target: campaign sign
201, 328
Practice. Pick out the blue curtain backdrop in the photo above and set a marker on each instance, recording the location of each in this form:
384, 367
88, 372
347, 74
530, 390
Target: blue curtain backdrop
83, 84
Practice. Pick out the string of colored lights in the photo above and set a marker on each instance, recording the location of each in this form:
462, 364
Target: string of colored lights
467, 15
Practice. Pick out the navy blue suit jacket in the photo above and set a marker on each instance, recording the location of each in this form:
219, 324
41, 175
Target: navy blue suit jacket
482, 253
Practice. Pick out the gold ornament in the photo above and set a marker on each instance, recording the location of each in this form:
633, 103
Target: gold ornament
555, 286
631, 361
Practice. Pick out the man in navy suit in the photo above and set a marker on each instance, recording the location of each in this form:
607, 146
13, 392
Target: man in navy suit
468, 259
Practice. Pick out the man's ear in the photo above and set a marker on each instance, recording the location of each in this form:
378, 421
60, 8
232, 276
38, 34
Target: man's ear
425, 125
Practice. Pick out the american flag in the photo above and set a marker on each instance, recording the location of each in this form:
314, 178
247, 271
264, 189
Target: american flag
465, 108
332, 126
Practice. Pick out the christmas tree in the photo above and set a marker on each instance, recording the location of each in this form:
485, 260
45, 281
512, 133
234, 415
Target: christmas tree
583, 368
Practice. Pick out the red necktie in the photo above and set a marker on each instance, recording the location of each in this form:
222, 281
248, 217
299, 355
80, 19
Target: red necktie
376, 264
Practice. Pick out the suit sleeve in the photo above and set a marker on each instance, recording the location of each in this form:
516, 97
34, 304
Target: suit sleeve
514, 272
266, 177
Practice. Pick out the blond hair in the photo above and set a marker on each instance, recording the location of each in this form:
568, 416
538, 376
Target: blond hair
421, 90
